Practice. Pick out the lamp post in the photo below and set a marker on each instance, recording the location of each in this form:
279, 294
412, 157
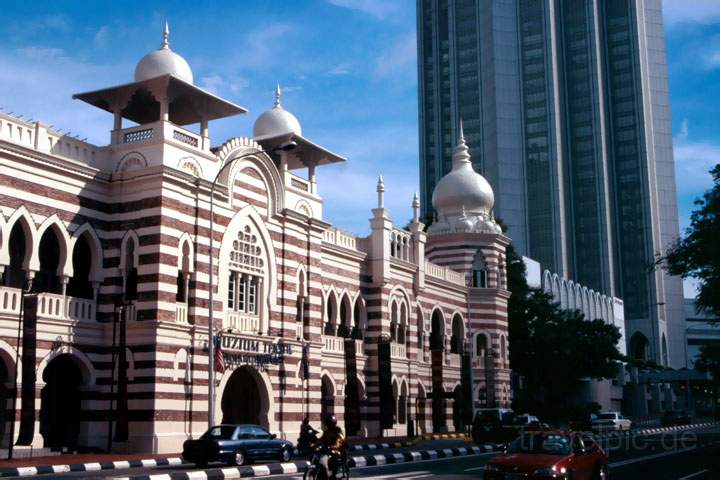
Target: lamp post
211, 336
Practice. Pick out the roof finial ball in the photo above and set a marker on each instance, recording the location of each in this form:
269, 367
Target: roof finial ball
278, 93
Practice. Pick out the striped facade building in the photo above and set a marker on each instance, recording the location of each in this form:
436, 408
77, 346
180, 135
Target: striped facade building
105, 305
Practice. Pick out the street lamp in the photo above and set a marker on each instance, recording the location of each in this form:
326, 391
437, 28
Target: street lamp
285, 147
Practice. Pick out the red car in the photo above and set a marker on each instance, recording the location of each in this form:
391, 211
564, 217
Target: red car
550, 454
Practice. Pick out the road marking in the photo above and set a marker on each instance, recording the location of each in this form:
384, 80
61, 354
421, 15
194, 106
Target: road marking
474, 468
649, 457
687, 477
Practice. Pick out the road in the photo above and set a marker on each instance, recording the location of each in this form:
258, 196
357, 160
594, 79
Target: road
692, 455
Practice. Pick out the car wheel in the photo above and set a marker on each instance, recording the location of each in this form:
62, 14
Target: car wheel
310, 474
285, 454
239, 459
602, 473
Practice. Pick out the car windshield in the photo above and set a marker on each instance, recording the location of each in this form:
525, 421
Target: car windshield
547, 444
222, 432
607, 416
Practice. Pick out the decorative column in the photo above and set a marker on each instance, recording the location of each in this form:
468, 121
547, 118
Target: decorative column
93, 308
259, 304
64, 279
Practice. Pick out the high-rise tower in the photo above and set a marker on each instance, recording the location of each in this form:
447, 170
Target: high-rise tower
565, 106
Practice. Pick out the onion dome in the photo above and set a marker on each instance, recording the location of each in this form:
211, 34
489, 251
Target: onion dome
276, 121
463, 199
163, 61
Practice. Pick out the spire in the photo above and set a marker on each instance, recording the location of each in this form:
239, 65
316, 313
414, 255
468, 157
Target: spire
166, 37
381, 192
278, 92
416, 208
461, 154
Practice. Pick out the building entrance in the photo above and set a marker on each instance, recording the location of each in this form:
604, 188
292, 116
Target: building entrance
60, 403
244, 399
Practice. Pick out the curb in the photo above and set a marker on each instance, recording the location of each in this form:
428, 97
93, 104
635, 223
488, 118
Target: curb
301, 466
89, 467
651, 431
379, 446
443, 436
406, 457
230, 472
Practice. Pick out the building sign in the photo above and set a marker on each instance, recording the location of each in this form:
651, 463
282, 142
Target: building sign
260, 354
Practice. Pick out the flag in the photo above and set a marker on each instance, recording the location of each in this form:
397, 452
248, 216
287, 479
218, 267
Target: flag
219, 357
305, 362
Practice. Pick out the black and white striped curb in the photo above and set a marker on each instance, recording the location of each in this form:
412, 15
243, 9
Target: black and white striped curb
301, 466
379, 446
89, 467
415, 456
231, 472
652, 431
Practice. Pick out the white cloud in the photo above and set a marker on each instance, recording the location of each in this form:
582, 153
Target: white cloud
400, 57
220, 85
693, 161
339, 69
677, 12
101, 36
380, 9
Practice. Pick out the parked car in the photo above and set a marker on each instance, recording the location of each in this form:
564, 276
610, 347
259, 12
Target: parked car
675, 417
550, 454
236, 445
611, 421
494, 425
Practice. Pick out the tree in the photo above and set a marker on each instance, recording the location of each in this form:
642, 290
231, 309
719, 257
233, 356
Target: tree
553, 349
697, 255
709, 361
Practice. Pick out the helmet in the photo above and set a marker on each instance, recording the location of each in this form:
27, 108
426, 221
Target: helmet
330, 421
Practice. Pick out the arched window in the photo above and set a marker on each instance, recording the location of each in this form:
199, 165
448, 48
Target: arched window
79, 284
456, 340
503, 350
480, 345
47, 279
393, 321
183, 277
245, 279
437, 333
345, 310
420, 332
479, 271
358, 319
402, 329
302, 315
15, 273
330, 314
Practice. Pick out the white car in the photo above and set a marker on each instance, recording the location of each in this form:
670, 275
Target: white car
611, 421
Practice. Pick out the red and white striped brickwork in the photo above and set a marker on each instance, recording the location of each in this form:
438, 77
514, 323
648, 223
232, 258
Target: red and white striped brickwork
316, 284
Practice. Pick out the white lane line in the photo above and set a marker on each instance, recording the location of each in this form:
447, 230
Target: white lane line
474, 468
419, 476
649, 457
687, 477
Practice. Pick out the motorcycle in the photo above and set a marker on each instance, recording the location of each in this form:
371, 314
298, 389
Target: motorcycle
316, 471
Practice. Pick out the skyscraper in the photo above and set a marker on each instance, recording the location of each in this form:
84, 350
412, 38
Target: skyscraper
565, 106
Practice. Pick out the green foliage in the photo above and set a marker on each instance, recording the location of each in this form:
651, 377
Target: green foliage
697, 255
553, 349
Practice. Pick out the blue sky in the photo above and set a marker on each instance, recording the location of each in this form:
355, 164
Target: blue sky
348, 68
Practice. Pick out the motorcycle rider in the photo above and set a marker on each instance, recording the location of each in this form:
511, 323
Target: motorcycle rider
308, 436
334, 442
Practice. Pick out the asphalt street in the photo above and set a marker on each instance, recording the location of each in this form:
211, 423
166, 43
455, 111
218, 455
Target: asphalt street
689, 455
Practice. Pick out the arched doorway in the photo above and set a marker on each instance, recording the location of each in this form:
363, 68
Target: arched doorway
15, 272
79, 284
352, 406
60, 403
327, 398
245, 399
5, 407
437, 352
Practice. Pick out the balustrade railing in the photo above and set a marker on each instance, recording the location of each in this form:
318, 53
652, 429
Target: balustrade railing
337, 237
81, 308
242, 322
181, 313
333, 344
9, 300
444, 273
398, 350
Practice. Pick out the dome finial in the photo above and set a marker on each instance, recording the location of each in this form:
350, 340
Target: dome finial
166, 37
461, 154
416, 208
381, 192
278, 93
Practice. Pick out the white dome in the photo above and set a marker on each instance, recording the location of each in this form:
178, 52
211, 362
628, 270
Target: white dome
463, 189
276, 121
163, 61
